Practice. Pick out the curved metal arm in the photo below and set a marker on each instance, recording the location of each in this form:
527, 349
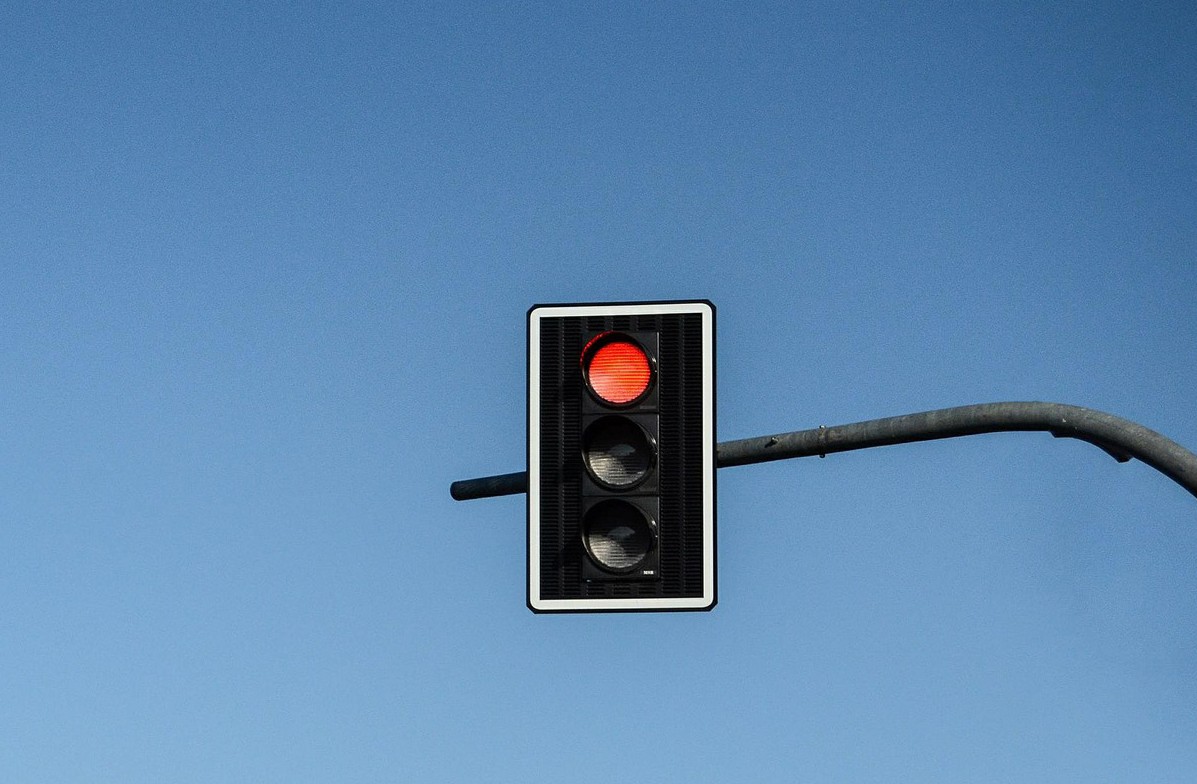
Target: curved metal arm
1121, 438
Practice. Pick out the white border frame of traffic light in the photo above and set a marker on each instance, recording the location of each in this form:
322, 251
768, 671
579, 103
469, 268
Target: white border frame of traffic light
710, 594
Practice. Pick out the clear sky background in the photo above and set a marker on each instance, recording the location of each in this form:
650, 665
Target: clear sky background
264, 271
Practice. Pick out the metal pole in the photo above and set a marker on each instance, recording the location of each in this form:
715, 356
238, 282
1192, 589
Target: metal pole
1120, 438
489, 486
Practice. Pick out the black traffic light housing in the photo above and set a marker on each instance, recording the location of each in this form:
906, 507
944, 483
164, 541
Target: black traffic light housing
621, 457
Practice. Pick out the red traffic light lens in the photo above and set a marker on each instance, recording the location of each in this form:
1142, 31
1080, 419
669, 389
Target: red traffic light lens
617, 368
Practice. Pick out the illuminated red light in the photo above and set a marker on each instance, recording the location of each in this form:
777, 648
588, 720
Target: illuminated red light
617, 370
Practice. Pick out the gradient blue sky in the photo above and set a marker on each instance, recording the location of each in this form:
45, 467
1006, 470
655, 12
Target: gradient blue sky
265, 270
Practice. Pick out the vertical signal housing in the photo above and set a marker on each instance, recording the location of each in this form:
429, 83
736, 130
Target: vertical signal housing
621, 457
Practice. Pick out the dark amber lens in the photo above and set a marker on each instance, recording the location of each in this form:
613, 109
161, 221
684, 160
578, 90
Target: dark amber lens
618, 452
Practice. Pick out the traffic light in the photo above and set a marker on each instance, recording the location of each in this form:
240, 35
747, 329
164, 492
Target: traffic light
621, 457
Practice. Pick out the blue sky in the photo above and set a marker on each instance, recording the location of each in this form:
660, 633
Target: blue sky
265, 274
